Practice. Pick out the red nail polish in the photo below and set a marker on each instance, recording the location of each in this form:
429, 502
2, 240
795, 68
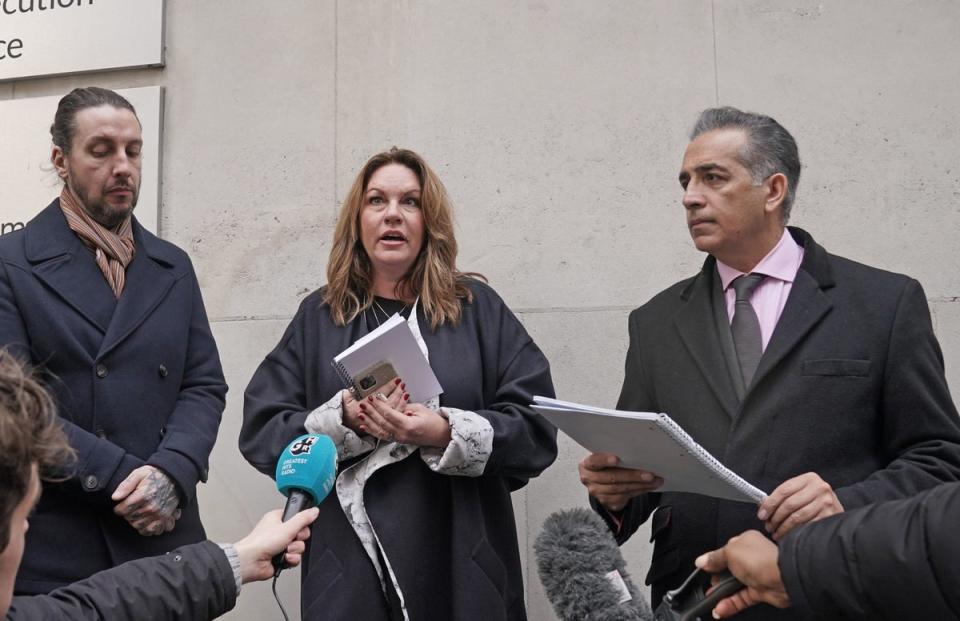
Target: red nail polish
361, 417
403, 386
363, 406
396, 381
406, 396
409, 413
370, 398
363, 429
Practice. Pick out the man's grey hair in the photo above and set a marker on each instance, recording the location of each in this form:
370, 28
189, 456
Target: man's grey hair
770, 148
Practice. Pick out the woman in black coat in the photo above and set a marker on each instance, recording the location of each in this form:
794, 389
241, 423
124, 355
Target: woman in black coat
421, 525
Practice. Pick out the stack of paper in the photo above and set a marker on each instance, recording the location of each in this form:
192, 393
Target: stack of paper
652, 442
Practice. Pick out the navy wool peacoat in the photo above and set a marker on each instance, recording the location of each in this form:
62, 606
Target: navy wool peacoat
136, 381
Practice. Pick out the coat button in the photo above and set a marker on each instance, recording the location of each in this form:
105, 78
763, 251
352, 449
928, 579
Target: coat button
90, 482
101, 434
177, 557
163, 431
101, 370
162, 370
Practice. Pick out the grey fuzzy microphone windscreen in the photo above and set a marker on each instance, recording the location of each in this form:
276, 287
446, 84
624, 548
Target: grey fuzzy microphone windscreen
583, 572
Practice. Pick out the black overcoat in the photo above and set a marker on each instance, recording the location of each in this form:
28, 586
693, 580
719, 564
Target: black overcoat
451, 540
192, 583
851, 386
136, 380
894, 560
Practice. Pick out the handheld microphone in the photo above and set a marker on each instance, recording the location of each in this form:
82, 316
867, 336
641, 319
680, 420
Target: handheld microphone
691, 602
306, 471
583, 572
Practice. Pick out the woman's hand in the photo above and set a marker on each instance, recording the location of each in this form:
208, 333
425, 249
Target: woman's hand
352, 419
413, 423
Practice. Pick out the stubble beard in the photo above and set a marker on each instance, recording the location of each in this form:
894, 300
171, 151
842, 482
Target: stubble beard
105, 215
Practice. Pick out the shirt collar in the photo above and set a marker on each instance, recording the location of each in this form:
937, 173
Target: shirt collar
782, 263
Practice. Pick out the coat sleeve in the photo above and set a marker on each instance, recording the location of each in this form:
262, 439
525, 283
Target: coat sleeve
193, 582
892, 560
191, 429
275, 402
634, 396
921, 428
100, 464
524, 443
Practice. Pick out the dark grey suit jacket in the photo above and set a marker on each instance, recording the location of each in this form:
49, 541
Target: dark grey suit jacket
851, 386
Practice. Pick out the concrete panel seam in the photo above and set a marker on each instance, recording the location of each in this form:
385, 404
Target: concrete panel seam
336, 98
716, 59
518, 310
235, 318
572, 309
531, 566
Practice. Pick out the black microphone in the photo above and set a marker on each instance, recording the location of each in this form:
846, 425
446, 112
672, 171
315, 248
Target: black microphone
691, 602
583, 572
306, 471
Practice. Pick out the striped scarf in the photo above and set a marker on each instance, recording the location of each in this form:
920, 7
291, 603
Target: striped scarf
113, 250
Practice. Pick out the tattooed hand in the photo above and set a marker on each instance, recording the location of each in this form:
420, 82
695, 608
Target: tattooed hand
148, 500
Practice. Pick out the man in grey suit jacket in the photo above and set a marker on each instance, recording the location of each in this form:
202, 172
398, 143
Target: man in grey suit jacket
815, 378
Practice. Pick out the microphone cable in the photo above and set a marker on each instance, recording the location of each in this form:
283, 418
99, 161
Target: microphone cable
306, 472
277, 597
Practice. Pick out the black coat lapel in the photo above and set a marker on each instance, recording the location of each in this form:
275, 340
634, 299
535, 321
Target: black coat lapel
148, 281
61, 261
805, 307
695, 325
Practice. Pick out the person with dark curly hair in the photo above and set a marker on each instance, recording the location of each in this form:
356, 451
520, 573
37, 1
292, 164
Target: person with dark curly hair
198, 581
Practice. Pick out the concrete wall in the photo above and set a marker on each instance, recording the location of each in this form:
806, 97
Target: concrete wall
558, 128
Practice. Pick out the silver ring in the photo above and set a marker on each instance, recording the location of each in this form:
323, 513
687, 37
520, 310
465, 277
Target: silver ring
381, 396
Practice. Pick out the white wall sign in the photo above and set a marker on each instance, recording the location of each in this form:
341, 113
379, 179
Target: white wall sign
28, 181
47, 37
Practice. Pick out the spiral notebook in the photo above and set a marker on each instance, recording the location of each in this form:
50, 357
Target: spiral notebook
649, 441
393, 342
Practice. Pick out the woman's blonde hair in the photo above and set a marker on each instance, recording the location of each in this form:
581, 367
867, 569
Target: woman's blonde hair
433, 276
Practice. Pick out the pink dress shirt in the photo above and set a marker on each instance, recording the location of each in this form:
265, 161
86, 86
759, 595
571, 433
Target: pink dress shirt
780, 266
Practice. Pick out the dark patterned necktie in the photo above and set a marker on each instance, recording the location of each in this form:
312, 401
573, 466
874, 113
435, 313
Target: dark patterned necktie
746, 327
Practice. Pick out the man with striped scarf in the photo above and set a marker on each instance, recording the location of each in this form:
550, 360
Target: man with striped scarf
111, 317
